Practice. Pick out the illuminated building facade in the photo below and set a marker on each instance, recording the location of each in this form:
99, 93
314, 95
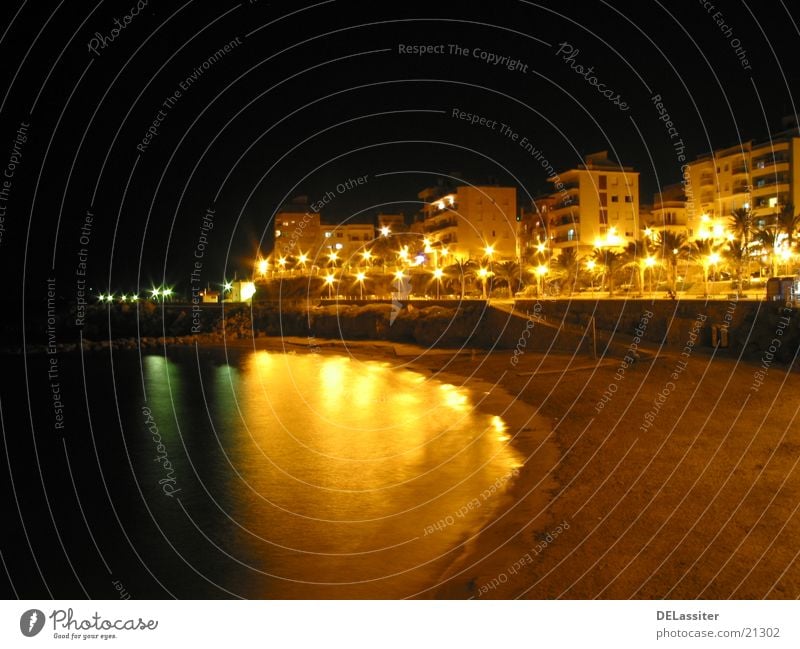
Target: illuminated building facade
471, 222
595, 204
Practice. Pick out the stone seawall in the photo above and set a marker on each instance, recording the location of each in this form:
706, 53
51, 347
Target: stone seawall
744, 327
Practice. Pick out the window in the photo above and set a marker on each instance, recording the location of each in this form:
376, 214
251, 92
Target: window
726, 167
602, 182
603, 199
571, 234
604, 217
629, 199
614, 198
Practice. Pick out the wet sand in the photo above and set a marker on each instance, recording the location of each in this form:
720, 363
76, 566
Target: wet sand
693, 494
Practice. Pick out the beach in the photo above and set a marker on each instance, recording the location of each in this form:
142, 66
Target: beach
683, 484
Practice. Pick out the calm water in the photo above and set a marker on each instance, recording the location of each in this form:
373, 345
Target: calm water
279, 475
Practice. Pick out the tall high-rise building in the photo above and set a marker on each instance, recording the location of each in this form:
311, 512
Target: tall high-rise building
594, 204
760, 175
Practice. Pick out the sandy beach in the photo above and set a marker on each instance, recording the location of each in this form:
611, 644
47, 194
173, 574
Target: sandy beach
691, 494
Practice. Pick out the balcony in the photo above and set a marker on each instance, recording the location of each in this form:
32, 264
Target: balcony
740, 188
706, 179
738, 170
566, 204
559, 221
442, 224
566, 238
770, 161
770, 180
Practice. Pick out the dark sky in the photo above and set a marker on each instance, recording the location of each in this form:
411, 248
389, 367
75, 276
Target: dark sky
311, 95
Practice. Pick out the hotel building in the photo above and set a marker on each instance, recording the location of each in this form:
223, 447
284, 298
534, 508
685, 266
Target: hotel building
595, 204
760, 175
468, 220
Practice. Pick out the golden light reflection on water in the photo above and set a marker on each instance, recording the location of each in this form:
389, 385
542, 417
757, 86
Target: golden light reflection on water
343, 465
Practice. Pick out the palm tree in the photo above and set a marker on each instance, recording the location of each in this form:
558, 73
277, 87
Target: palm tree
788, 222
705, 253
612, 261
742, 225
736, 254
769, 239
510, 273
741, 220
635, 256
672, 246
567, 266
463, 269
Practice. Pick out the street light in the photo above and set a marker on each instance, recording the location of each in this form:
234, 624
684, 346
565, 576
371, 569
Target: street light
360, 276
590, 266
367, 255
385, 231
541, 271
262, 267
330, 278
483, 274
489, 250
302, 258
649, 262
438, 273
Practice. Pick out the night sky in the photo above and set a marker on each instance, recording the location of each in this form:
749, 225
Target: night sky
307, 96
